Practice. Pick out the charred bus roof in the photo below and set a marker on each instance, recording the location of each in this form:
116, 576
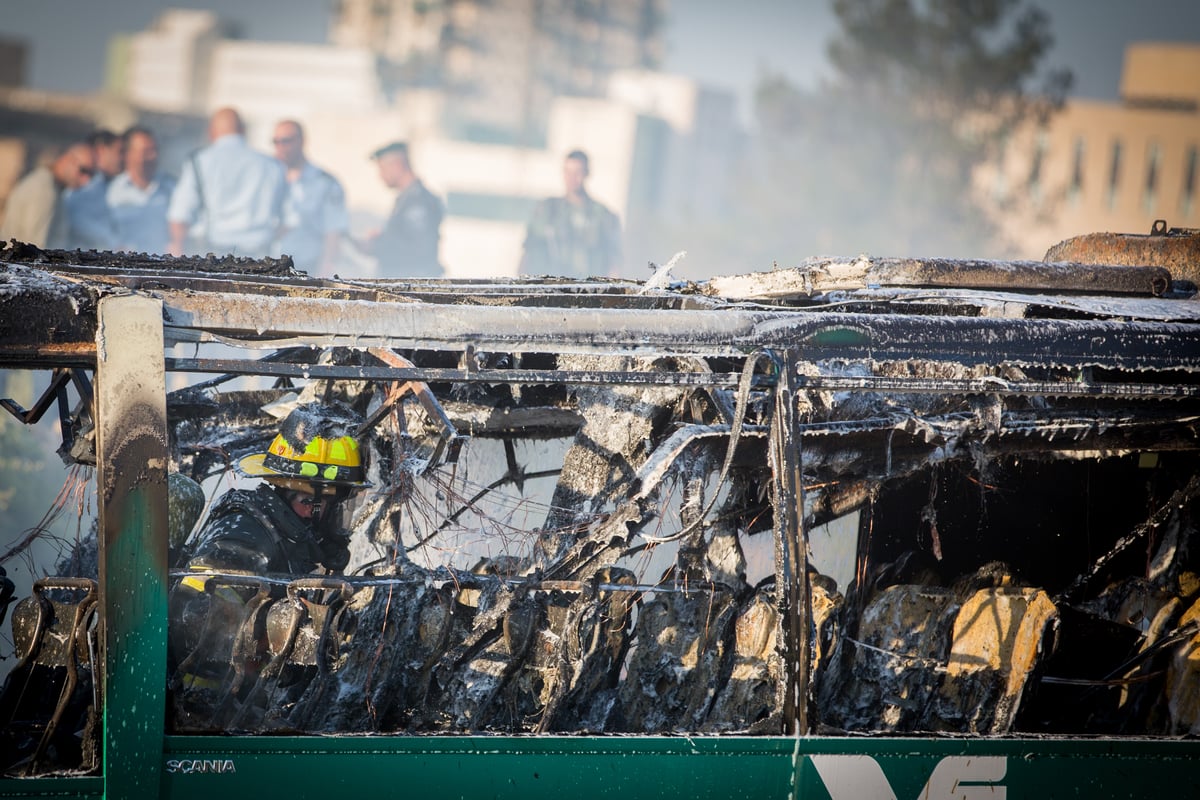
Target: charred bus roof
853, 496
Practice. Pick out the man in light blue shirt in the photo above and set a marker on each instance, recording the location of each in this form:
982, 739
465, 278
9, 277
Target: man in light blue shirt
138, 197
235, 193
89, 224
314, 216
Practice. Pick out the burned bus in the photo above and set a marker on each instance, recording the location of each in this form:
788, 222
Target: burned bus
856, 528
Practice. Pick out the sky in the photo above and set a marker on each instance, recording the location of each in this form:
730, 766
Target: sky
725, 43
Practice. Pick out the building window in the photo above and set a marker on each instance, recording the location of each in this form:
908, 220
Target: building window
1114, 175
1150, 192
1077, 172
1187, 200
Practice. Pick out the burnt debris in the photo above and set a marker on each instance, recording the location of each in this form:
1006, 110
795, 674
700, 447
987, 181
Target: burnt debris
580, 521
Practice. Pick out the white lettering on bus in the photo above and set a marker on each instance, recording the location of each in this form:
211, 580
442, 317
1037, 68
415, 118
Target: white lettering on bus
188, 766
954, 778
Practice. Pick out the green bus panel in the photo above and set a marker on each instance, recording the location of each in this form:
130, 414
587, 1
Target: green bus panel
478, 767
632, 768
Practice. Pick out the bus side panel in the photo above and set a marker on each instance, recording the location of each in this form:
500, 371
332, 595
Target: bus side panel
631, 768
840, 769
626, 768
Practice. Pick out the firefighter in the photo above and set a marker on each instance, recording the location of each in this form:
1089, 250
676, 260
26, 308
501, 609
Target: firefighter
289, 523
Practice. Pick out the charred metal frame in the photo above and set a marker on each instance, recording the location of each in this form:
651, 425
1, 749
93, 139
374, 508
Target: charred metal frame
132, 457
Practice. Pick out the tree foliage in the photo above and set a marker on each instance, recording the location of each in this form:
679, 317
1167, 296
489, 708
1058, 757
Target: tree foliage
883, 156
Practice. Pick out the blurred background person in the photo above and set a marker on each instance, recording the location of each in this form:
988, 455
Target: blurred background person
89, 224
572, 235
139, 196
229, 197
35, 211
408, 244
314, 213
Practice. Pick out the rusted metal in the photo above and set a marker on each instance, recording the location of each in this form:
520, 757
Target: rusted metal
818, 275
1176, 249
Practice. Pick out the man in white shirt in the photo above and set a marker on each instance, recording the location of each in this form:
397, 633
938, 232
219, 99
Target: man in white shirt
229, 192
139, 196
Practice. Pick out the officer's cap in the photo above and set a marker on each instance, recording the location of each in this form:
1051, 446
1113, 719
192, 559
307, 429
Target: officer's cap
389, 148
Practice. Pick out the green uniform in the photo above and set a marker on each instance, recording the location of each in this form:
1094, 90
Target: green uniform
572, 239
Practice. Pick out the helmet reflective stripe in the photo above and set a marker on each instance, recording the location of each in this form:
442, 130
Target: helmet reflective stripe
323, 459
314, 446
342, 451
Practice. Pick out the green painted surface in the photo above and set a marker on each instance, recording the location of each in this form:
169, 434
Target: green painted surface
470, 767
132, 454
135, 691
654, 767
833, 337
631, 768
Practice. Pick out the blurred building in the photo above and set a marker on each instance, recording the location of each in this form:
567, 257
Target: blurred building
35, 125
660, 145
185, 63
503, 61
14, 55
1101, 166
166, 68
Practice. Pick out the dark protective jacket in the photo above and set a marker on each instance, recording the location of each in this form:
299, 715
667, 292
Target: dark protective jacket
408, 245
257, 531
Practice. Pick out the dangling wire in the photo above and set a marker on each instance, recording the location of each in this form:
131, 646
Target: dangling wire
735, 432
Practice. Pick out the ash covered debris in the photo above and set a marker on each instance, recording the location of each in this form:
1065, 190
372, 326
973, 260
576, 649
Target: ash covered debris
14, 252
469, 638
576, 530
978, 562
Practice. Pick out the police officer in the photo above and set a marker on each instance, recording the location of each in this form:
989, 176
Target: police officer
408, 244
314, 216
288, 524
